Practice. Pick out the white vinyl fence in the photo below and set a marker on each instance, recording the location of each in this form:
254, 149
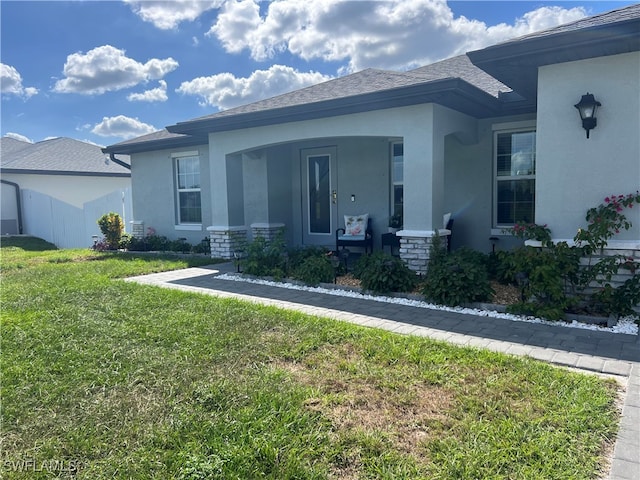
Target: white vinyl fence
67, 226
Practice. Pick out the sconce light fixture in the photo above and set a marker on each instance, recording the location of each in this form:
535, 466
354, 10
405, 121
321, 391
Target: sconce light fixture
587, 108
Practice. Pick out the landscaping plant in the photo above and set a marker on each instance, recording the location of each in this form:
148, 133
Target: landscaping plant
381, 272
111, 226
265, 258
314, 269
456, 278
562, 277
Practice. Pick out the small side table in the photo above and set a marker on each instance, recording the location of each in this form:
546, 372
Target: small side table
390, 240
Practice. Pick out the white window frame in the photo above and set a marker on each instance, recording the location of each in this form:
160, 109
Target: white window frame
509, 128
176, 157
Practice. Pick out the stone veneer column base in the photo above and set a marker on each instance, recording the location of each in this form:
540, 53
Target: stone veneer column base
226, 240
415, 246
268, 231
137, 229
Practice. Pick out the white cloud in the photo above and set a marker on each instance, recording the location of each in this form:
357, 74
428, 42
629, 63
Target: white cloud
393, 34
17, 136
168, 15
122, 127
11, 83
225, 90
107, 68
154, 95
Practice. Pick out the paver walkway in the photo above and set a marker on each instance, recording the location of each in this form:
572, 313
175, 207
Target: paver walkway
588, 350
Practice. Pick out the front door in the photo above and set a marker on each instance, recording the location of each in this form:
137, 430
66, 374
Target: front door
320, 196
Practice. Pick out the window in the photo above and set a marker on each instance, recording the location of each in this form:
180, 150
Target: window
397, 178
187, 169
515, 169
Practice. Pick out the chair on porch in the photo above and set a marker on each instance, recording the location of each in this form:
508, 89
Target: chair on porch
357, 232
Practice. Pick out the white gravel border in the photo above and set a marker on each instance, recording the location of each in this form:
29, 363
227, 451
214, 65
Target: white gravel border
625, 325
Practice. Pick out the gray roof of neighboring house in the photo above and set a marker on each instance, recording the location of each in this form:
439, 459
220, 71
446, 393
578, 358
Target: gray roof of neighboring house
58, 156
516, 62
9, 145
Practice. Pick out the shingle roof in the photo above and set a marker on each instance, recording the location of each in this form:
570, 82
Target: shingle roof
461, 67
9, 145
516, 62
152, 137
371, 81
468, 83
624, 14
58, 155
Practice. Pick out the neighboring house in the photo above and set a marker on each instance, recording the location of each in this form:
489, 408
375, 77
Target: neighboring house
57, 189
492, 137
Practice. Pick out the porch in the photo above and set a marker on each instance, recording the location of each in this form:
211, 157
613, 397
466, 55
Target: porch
376, 163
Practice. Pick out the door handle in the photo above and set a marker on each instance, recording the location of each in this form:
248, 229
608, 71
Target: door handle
334, 197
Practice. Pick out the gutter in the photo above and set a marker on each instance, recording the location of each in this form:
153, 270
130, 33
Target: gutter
454, 89
112, 157
18, 202
158, 144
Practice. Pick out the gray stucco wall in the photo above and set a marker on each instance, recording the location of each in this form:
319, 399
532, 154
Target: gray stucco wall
280, 177
153, 188
469, 196
576, 173
363, 171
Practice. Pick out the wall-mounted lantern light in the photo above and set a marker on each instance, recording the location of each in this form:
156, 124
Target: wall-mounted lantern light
587, 108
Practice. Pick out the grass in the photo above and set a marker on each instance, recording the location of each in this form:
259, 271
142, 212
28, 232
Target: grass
108, 379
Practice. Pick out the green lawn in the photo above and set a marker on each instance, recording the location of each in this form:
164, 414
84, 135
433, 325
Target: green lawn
111, 379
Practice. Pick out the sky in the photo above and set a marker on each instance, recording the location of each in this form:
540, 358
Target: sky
104, 72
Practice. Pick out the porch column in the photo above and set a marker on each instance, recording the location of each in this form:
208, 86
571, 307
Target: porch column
227, 242
423, 194
219, 185
228, 234
256, 187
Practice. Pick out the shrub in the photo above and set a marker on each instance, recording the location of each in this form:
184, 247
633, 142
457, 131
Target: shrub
621, 300
314, 269
298, 255
151, 243
382, 273
456, 278
157, 243
556, 279
111, 226
203, 247
263, 258
180, 245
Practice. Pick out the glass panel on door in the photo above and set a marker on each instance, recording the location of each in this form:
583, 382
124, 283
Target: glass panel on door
319, 194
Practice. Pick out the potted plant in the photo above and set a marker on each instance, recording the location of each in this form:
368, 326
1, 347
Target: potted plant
395, 222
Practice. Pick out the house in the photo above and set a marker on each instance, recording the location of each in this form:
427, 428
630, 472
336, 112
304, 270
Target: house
492, 137
58, 188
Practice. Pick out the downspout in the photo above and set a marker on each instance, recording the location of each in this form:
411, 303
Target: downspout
18, 202
112, 157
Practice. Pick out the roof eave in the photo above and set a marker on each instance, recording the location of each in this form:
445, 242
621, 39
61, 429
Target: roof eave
516, 63
451, 92
162, 144
64, 173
